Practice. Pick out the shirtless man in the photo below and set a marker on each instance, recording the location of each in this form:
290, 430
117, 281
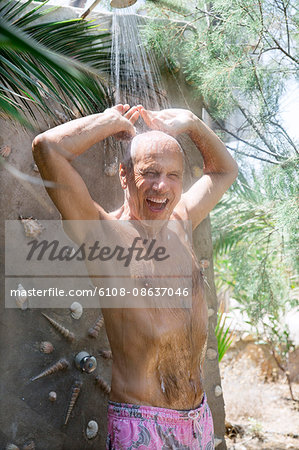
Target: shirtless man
157, 399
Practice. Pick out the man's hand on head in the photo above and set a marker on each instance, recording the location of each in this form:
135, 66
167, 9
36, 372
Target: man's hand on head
171, 121
124, 119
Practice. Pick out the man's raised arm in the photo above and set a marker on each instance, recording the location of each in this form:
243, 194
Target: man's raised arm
54, 150
219, 171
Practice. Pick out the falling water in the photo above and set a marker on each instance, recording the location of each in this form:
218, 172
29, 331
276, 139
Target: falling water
136, 78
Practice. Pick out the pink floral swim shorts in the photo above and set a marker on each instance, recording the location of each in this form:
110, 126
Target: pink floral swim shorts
148, 427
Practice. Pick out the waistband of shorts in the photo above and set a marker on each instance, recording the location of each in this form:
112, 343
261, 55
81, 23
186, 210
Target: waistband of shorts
127, 410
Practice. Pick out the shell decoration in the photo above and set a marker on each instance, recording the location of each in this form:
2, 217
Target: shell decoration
92, 429
35, 168
204, 263
62, 364
75, 392
94, 331
71, 251
218, 390
46, 347
197, 171
5, 151
111, 170
21, 298
61, 116
62, 330
103, 385
52, 396
32, 227
76, 310
106, 354
29, 446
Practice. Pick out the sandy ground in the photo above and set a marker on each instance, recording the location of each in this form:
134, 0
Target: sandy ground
265, 411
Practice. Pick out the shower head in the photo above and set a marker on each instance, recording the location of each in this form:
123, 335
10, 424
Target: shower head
113, 3
122, 3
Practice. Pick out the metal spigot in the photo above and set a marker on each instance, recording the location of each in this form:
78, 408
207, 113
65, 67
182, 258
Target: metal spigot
85, 362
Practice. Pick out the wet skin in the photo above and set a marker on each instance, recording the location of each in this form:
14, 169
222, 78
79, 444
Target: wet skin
157, 353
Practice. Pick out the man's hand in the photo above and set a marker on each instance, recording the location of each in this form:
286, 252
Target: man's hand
124, 118
170, 121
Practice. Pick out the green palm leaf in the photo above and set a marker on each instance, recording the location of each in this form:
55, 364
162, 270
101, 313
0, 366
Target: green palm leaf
44, 64
224, 335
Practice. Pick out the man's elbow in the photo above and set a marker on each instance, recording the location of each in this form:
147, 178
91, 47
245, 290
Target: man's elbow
39, 144
235, 171
229, 177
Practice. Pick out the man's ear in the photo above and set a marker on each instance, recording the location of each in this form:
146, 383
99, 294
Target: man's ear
123, 172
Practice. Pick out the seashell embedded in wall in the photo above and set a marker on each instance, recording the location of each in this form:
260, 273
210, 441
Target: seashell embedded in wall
197, 172
218, 442
103, 385
94, 331
218, 390
32, 227
106, 354
76, 388
30, 445
52, 396
5, 151
61, 116
21, 297
211, 311
71, 251
204, 263
111, 170
76, 310
62, 364
46, 347
211, 353
35, 168
92, 429
62, 330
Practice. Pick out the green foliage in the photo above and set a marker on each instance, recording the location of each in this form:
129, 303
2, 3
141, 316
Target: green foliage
238, 55
223, 334
58, 60
255, 234
277, 333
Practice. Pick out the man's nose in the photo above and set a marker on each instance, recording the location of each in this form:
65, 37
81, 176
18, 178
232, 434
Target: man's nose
160, 184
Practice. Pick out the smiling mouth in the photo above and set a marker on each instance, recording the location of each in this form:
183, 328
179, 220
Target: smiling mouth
156, 204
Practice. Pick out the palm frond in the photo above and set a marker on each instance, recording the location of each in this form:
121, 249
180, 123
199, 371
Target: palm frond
56, 62
224, 335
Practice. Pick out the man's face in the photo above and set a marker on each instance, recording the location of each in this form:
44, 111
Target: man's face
154, 185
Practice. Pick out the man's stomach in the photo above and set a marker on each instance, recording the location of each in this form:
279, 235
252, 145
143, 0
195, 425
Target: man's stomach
157, 356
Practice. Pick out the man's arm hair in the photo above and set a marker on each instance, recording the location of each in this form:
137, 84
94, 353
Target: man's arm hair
54, 150
70, 195
219, 172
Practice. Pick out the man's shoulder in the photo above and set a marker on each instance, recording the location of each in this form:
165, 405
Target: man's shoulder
104, 215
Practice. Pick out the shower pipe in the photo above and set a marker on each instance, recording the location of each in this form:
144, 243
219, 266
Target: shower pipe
113, 4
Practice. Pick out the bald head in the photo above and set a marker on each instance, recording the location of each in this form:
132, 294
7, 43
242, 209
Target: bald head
150, 142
